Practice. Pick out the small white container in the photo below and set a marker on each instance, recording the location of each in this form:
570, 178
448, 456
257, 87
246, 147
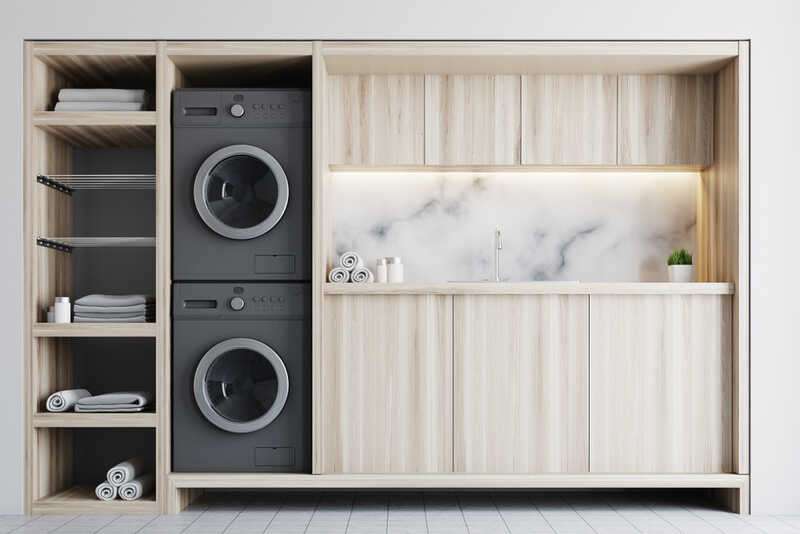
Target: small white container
394, 270
63, 310
51, 314
381, 271
680, 273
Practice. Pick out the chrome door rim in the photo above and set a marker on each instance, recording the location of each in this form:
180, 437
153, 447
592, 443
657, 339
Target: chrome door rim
201, 183
204, 402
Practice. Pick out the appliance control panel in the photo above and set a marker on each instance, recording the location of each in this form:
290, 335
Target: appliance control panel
241, 301
241, 108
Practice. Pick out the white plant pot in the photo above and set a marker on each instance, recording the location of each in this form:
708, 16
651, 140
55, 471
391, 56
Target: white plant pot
680, 273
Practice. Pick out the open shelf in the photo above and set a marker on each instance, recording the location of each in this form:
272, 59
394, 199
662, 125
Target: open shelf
95, 330
95, 420
82, 500
99, 129
532, 288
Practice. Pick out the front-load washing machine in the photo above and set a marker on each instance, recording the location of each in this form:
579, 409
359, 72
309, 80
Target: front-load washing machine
241, 379
241, 184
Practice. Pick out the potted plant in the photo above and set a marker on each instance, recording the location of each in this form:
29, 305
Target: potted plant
679, 266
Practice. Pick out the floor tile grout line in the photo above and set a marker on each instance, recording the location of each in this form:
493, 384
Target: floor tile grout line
425, 513
320, 496
463, 517
104, 525
147, 524
278, 511
64, 524
579, 515
244, 507
664, 518
503, 519
637, 529
701, 517
793, 527
350, 515
29, 521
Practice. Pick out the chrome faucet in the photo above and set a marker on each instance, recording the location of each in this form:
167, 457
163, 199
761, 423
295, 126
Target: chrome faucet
498, 246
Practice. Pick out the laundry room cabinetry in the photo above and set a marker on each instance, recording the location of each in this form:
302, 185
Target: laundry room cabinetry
388, 384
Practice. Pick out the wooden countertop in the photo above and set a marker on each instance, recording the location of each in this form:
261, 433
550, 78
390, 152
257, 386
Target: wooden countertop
533, 288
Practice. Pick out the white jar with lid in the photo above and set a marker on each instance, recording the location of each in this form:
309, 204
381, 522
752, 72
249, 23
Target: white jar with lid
394, 269
63, 312
381, 271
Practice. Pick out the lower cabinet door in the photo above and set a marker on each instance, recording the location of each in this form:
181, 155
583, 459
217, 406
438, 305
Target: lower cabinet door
388, 384
660, 383
521, 383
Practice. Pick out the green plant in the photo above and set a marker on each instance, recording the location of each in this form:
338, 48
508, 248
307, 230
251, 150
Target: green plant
680, 256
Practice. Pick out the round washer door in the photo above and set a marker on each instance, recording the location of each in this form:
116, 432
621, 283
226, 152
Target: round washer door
241, 385
241, 191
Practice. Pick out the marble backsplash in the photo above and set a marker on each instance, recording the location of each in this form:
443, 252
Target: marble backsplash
593, 226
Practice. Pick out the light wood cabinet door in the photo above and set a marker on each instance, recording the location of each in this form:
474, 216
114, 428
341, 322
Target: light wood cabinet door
376, 119
472, 119
660, 383
666, 119
521, 383
569, 119
388, 384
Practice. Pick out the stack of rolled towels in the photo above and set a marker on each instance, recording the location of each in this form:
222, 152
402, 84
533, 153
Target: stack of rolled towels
351, 269
102, 100
115, 309
82, 401
127, 480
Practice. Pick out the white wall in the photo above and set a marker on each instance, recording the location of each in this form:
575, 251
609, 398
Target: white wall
771, 24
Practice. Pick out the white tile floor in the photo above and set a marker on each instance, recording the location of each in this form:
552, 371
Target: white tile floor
429, 513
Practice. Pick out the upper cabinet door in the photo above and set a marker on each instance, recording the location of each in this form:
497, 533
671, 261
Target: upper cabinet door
666, 119
472, 119
376, 119
569, 119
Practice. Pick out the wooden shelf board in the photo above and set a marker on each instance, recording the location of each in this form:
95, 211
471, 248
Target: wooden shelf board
95, 420
456, 480
82, 500
532, 288
429, 169
99, 128
95, 330
570, 57
94, 48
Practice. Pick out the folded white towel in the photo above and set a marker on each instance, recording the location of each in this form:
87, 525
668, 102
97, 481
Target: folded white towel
339, 275
137, 488
125, 471
140, 319
102, 95
351, 261
99, 106
123, 401
114, 300
105, 491
61, 401
114, 309
113, 315
362, 275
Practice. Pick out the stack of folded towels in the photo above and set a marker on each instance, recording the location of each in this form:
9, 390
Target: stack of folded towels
351, 269
82, 401
127, 480
115, 309
101, 100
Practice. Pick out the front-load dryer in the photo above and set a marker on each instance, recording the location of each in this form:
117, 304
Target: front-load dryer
241, 184
241, 379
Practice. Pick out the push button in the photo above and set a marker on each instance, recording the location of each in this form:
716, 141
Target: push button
237, 303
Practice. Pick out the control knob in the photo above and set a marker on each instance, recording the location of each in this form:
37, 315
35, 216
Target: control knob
236, 303
237, 110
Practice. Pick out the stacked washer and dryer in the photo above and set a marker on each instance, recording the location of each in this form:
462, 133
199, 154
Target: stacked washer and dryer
241, 269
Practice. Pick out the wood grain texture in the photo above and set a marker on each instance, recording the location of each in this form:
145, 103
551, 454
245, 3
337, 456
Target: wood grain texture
51, 370
376, 119
51, 462
388, 387
81, 499
95, 330
569, 119
98, 129
533, 288
95, 420
521, 366
472, 119
666, 119
660, 375
528, 57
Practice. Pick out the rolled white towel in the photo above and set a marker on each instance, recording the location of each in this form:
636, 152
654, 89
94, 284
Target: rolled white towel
137, 488
106, 491
339, 275
351, 261
61, 401
125, 471
362, 275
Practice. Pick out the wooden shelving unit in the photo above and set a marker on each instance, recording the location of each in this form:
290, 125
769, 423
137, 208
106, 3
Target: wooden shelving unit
338, 71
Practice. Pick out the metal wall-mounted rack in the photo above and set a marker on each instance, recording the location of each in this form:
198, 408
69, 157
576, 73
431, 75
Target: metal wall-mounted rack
67, 183
67, 244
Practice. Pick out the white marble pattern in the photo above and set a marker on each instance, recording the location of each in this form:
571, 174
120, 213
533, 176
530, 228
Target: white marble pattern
592, 226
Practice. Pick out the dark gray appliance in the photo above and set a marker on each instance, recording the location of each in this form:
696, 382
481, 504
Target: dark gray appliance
241, 184
241, 377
